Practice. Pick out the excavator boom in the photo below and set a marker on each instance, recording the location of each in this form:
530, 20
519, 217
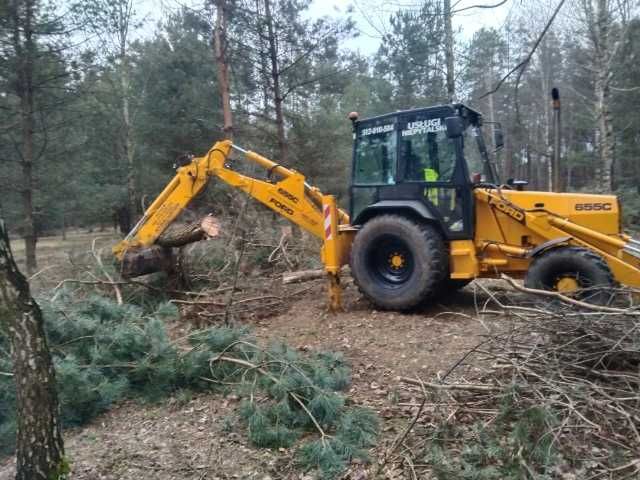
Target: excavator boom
285, 191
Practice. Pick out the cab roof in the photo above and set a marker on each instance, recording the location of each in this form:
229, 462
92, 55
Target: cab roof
473, 116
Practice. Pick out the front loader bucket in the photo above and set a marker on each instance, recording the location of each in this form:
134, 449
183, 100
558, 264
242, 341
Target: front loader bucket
138, 262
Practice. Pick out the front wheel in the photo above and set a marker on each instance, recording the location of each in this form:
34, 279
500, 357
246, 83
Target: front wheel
573, 271
398, 263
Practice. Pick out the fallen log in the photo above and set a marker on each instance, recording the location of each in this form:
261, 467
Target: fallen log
178, 236
159, 257
302, 276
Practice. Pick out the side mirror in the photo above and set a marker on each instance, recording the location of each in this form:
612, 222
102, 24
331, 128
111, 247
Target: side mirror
498, 137
455, 126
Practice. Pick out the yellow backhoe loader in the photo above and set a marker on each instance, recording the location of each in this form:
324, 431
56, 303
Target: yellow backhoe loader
427, 215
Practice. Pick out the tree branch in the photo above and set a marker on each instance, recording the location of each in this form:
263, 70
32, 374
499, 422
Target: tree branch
496, 5
527, 59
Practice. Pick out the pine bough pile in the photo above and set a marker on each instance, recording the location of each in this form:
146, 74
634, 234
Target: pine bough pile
288, 397
105, 352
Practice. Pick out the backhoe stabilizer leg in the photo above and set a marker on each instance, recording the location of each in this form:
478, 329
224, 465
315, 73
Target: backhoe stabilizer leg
335, 292
331, 255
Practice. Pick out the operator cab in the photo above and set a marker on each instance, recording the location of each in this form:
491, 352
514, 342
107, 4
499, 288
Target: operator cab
422, 162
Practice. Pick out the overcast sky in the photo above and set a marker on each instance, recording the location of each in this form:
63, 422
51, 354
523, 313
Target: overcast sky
370, 16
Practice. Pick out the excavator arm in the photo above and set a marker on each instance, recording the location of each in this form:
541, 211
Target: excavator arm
288, 194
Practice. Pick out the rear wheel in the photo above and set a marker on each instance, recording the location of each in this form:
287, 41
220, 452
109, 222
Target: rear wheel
572, 271
398, 263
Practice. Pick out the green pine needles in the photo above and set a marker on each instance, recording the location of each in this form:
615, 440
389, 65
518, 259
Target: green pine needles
511, 447
104, 352
290, 397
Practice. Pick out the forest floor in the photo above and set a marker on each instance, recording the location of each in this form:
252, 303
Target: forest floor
200, 437
58, 258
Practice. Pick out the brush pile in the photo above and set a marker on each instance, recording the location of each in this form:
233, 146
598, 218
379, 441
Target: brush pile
556, 396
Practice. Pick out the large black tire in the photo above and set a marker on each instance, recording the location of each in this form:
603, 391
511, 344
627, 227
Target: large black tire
586, 268
398, 263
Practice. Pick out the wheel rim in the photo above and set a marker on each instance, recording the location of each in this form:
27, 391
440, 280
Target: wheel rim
567, 284
391, 260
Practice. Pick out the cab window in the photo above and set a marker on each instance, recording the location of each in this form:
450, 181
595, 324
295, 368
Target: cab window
472, 155
428, 154
375, 154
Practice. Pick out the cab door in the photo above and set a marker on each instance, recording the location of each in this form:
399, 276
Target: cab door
432, 166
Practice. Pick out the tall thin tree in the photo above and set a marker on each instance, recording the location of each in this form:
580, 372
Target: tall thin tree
221, 56
21, 15
112, 23
278, 99
449, 50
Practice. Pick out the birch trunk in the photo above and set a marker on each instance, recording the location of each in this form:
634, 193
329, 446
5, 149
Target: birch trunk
127, 144
606, 146
598, 15
39, 446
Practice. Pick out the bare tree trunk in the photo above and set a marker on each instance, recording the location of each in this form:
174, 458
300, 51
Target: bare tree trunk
127, 146
40, 450
548, 148
277, 94
220, 49
24, 47
490, 102
529, 167
264, 63
606, 147
557, 142
64, 225
507, 162
599, 22
124, 17
448, 52
605, 126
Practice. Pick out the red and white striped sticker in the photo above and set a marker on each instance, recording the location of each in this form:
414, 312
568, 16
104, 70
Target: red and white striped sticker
327, 221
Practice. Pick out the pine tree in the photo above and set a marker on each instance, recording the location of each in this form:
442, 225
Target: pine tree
411, 57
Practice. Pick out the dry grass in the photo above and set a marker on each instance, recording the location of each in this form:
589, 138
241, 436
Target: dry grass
59, 259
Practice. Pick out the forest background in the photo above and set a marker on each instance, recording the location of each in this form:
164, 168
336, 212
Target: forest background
99, 98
